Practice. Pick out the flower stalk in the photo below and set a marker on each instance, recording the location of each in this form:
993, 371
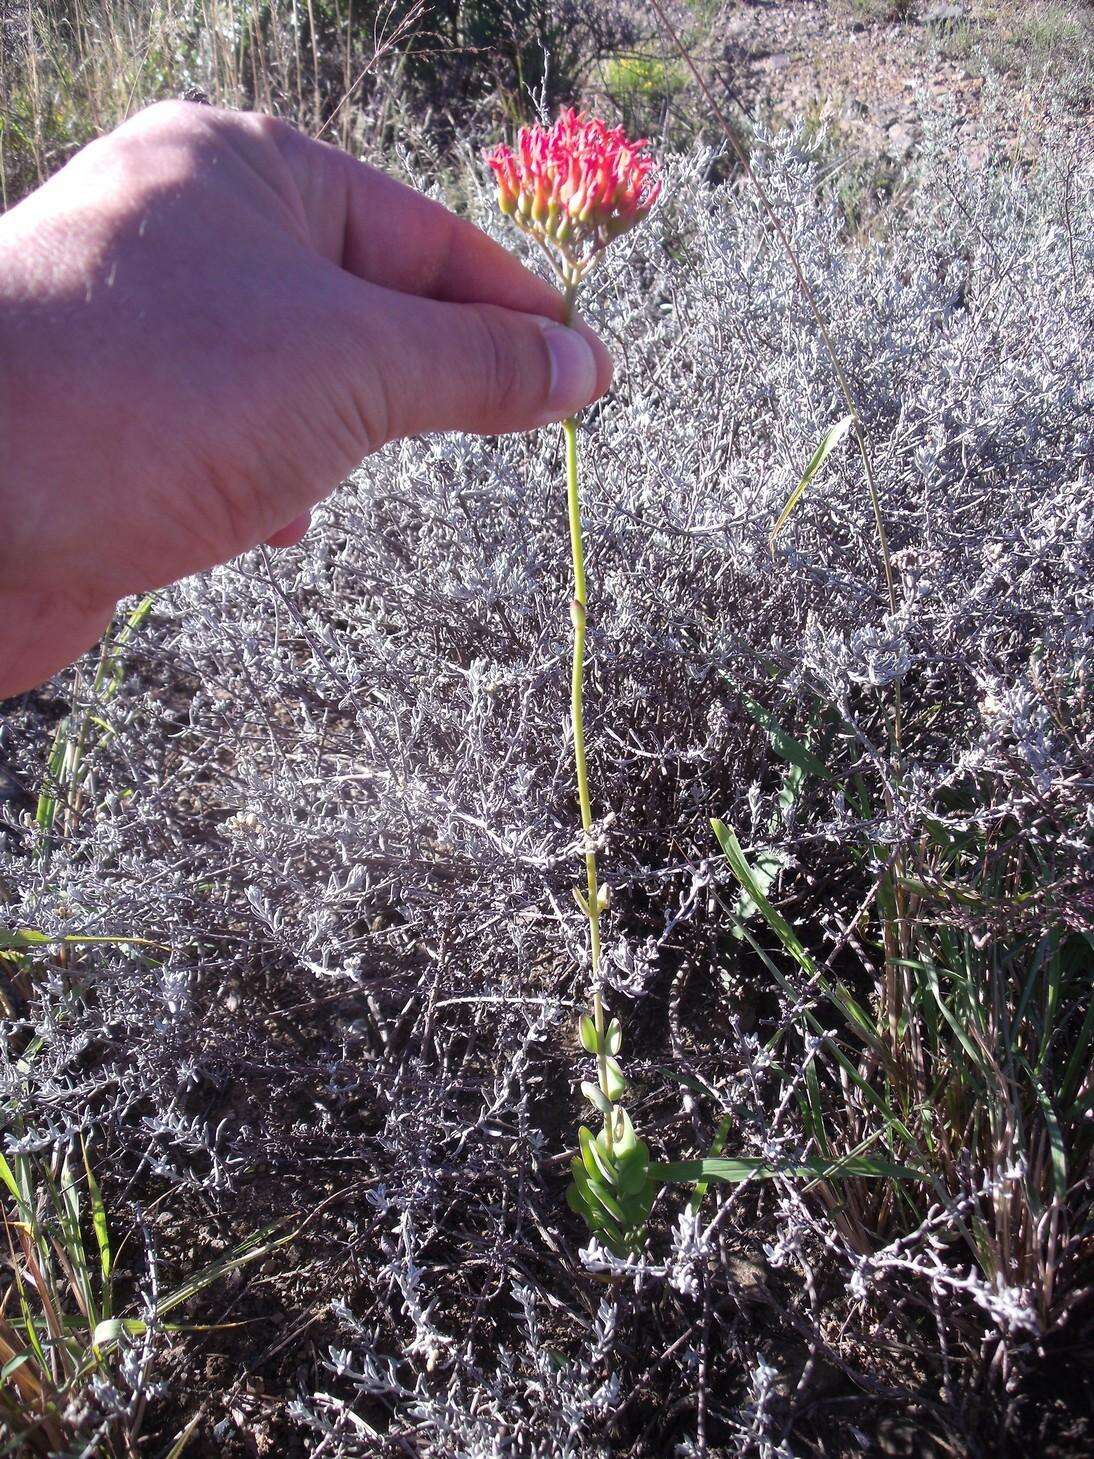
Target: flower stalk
594, 901
573, 188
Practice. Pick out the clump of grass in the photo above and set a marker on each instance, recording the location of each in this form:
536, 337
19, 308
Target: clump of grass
75, 1368
1035, 41
1045, 36
63, 795
72, 71
884, 11
974, 1065
57, 1322
364, 75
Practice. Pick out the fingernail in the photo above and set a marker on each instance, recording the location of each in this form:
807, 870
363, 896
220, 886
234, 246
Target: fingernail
573, 370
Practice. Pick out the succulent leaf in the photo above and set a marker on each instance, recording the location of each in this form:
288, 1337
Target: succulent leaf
615, 1083
596, 1096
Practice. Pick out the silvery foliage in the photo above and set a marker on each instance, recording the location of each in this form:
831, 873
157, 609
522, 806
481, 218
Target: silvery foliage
338, 801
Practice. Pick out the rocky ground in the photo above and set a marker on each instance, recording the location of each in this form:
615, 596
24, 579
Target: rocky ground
874, 70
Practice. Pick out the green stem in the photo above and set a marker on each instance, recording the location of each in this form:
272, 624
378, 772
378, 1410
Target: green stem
579, 618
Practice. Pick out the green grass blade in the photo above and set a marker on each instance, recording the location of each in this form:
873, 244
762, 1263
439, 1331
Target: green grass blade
30, 1331
48, 796
102, 1234
7, 1175
813, 1111
930, 972
68, 1206
837, 992
1081, 1058
24, 939
731, 849
1055, 1134
875, 1099
827, 444
252, 1249
717, 1145
784, 744
744, 1168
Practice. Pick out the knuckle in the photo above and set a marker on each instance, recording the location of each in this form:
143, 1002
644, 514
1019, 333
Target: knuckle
167, 129
505, 386
239, 509
201, 125
267, 129
174, 117
362, 425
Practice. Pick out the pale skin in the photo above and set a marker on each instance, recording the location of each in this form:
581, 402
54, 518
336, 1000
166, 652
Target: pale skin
206, 321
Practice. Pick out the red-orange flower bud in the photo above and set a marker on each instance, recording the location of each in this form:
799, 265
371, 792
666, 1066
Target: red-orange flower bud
575, 185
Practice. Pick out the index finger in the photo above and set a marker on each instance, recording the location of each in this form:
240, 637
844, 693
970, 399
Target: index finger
389, 234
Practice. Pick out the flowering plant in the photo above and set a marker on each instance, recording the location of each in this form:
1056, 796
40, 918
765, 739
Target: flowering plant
574, 187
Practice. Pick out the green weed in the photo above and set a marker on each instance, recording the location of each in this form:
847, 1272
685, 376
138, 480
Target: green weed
986, 1087
63, 1322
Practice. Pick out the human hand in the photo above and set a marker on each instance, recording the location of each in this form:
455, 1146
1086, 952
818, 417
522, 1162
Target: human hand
206, 321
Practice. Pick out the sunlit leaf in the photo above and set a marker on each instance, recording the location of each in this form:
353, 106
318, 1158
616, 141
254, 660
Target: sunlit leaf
827, 444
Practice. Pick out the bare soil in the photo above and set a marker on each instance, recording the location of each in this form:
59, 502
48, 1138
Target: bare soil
874, 70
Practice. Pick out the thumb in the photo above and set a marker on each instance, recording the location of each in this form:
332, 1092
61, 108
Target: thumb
474, 367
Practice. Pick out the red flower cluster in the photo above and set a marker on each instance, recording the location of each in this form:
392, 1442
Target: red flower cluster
577, 184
